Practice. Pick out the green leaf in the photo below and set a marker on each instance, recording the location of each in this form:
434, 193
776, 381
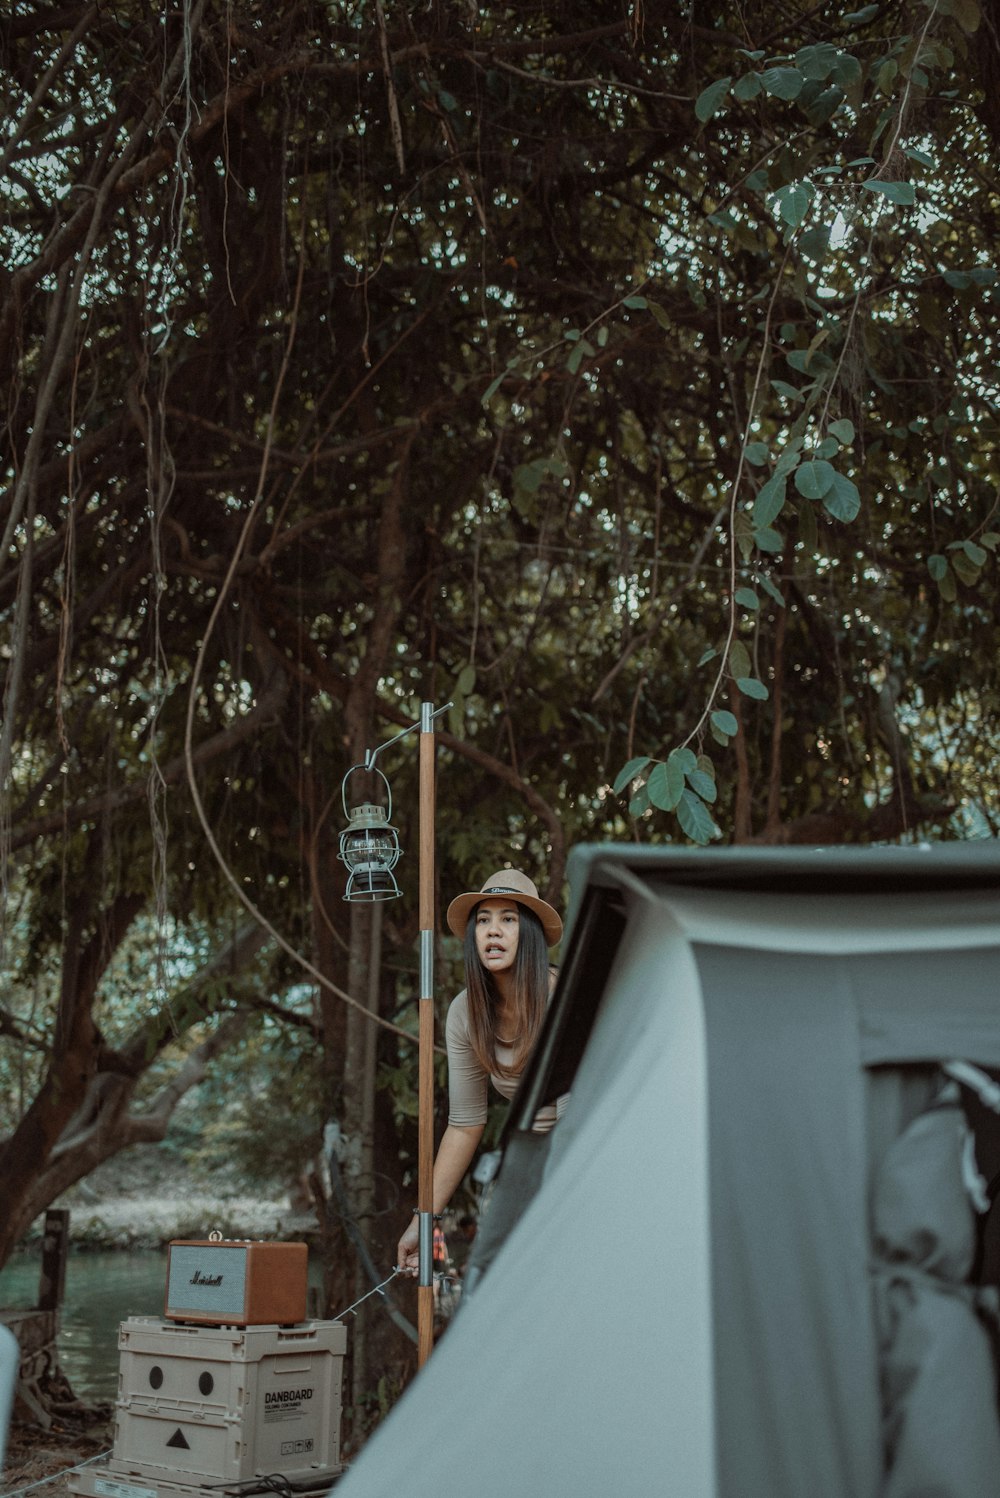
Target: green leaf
990, 539
848, 72
860, 17
808, 360
842, 501
639, 803
748, 87
528, 477
665, 784
814, 478
788, 392
884, 80
817, 61
937, 566
629, 772
695, 819
903, 193
662, 316
825, 105
843, 430
959, 279
789, 459
756, 453
466, 681
751, 687
493, 387
965, 570
746, 598
743, 533
966, 13
768, 540
828, 448
725, 722
769, 502
915, 154
975, 553
685, 758
703, 785
710, 98
783, 83
793, 202
815, 242
739, 659
637, 303
769, 588
707, 655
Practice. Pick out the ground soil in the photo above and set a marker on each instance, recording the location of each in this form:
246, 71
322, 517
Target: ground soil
34, 1454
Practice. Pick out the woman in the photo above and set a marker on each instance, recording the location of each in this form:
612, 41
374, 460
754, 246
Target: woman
493, 1023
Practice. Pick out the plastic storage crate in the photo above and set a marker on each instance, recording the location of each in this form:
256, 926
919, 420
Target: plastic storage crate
224, 1404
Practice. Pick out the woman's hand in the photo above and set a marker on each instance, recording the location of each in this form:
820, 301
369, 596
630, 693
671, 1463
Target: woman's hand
454, 1156
408, 1249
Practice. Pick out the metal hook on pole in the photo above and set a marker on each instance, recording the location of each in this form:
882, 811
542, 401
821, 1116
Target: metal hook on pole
371, 755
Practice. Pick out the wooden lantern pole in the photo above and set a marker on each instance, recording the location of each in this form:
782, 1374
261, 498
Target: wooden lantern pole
425, 1117
425, 1035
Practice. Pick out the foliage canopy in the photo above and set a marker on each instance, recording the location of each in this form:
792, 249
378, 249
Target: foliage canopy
625, 375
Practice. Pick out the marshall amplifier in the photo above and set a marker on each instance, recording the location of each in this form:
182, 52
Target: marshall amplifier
236, 1282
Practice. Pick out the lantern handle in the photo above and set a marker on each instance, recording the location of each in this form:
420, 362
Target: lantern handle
378, 772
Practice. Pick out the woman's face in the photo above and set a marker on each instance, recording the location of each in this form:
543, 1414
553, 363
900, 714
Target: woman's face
498, 927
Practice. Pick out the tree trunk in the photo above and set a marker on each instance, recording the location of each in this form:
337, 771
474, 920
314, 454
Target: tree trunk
74, 1060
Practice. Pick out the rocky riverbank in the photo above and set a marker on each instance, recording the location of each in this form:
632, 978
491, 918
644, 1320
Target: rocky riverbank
148, 1221
147, 1197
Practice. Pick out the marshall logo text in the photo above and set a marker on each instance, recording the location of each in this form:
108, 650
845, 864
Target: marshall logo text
205, 1279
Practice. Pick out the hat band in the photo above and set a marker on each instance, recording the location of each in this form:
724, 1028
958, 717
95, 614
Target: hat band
505, 889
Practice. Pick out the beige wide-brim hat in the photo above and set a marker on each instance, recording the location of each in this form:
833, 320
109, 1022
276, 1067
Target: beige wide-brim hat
519, 888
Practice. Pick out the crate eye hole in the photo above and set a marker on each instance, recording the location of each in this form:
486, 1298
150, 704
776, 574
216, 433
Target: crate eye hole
206, 1383
155, 1376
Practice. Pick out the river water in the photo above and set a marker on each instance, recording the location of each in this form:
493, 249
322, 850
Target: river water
102, 1289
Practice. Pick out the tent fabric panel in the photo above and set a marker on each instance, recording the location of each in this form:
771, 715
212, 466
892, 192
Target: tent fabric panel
779, 872
583, 1364
892, 923
930, 1006
795, 1354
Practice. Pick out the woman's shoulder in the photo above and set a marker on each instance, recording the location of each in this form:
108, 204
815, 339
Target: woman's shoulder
458, 1010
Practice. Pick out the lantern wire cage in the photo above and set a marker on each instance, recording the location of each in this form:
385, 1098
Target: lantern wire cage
369, 845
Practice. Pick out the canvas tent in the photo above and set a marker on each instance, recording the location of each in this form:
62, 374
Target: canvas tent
9, 1355
741, 1266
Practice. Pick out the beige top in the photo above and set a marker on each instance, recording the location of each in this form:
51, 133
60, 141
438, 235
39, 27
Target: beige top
468, 1082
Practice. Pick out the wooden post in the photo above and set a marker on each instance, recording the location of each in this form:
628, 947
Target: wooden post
55, 1247
425, 1121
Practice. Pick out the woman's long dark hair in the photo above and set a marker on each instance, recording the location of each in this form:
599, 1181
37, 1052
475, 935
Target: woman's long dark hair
531, 994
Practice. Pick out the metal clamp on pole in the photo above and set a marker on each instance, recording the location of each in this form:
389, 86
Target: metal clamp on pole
426, 1246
